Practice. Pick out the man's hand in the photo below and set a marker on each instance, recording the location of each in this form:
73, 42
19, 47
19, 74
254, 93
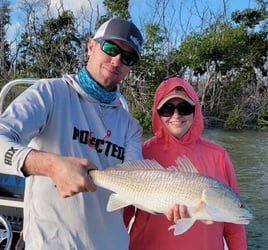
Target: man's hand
71, 175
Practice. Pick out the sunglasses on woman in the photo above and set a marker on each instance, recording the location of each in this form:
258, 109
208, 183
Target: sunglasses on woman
112, 49
183, 108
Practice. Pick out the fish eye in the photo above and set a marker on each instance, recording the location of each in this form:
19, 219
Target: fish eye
241, 205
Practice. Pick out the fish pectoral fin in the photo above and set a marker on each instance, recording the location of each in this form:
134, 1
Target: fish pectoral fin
115, 202
203, 211
199, 207
182, 225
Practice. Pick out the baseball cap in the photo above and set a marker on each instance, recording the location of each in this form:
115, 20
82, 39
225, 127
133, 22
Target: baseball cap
122, 30
175, 94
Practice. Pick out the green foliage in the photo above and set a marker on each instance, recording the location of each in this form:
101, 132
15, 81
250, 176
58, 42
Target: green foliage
142, 117
52, 48
250, 17
234, 120
257, 42
4, 45
262, 120
228, 57
219, 48
153, 61
117, 8
151, 69
4, 13
226, 62
240, 83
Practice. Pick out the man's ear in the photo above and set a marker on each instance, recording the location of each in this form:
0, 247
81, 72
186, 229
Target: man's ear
90, 45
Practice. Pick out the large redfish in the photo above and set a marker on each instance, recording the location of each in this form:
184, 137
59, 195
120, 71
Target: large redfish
146, 185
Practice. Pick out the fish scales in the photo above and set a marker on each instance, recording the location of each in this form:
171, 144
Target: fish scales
160, 188
148, 186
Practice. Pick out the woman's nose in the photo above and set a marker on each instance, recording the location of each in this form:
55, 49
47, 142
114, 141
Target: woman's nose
176, 113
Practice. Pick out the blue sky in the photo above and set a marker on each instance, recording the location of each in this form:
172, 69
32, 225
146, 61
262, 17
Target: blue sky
232, 4
143, 6
141, 10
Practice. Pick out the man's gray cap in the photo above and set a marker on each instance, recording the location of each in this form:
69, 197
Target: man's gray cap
122, 30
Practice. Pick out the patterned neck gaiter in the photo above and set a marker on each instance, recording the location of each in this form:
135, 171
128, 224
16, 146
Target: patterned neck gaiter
94, 89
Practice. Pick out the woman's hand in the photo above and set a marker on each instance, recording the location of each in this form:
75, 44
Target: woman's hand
178, 212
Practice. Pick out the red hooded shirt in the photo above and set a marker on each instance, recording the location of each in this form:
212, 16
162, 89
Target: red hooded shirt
150, 232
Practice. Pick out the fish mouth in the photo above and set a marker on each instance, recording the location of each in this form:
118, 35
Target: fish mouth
244, 219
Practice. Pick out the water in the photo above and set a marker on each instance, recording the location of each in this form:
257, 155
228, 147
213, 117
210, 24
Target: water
249, 153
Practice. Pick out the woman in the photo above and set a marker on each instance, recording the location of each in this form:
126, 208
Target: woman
177, 126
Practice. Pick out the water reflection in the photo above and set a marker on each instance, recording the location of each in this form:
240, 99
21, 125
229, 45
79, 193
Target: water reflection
249, 152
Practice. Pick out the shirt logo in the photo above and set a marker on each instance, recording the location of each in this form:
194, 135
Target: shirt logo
9, 155
101, 145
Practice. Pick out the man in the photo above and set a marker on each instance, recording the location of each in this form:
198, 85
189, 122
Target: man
59, 129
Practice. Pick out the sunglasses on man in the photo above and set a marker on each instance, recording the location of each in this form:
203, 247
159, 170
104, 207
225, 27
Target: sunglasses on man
112, 49
183, 108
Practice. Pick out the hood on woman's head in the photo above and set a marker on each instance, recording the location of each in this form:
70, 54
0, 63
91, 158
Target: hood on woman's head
176, 93
162, 94
171, 84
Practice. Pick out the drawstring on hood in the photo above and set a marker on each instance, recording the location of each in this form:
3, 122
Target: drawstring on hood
159, 129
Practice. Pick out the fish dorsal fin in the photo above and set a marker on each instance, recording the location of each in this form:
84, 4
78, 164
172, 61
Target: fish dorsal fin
146, 164
184, 165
